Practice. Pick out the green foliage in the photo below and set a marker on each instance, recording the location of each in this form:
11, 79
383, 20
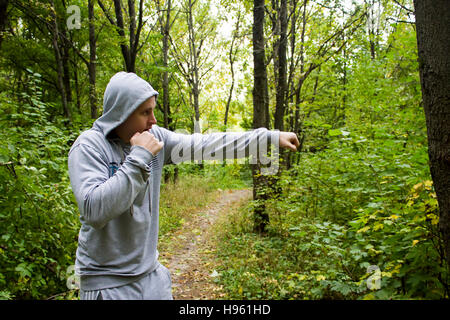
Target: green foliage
39, 221
359, 194
359, 199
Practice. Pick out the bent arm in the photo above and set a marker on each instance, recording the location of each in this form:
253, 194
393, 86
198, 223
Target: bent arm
102, 198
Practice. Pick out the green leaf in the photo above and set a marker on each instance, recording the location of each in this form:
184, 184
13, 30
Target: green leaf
24, 269
334, 132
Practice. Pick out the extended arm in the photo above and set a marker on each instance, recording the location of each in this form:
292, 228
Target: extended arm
218, 146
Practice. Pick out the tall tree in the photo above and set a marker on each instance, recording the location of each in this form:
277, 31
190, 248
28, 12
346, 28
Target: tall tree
373, 24
331, 44
59, 57
165, 24
280, 53
260, 114
433, 42
3, 17
194, 63
130, 50
92, 61
232, 56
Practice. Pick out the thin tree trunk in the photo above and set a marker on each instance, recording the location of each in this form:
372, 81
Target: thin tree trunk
433, 42
59, 65
65, 61
261, 217
3, 17
121, 30
165, 30
194, 56
232, 58
282, 67
290, 82
77, 87
92, 61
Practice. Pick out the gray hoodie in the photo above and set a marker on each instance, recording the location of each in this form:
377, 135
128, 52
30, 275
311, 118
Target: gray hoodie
117, 185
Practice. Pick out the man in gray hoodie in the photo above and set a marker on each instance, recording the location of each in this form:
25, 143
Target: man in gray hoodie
115, 171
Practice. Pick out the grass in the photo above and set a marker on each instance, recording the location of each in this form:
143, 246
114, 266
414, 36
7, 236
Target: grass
278, 265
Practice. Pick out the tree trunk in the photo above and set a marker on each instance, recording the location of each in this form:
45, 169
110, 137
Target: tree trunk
65, 52
3, 17
194, 55
129, 52
232, 57
261, 218
433, 42
92, 61
77, 87
282, 63
121, 30
165, 30
59, 65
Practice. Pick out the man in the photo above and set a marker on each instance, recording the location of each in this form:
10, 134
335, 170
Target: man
115, 171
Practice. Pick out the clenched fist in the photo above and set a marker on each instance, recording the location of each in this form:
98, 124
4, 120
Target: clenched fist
148, 141
289, 140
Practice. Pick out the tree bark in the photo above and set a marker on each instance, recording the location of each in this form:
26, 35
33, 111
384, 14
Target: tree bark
92, 61
165, 30
232, 58
3, 17
129, 52
121, 30
433, 42
282, 63
260, 116
194, 53
59, 65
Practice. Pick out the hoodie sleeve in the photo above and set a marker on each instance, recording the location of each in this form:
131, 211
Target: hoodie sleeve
101, 198
218, 146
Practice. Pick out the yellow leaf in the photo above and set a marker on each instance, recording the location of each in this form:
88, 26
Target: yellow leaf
397, 268
378, 226
363, 229
369, 297
415, 242
320, 278
394, 217
417, 186
240, 290
434, 218
428, 183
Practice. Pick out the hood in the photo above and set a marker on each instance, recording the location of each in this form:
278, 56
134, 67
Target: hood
124, 93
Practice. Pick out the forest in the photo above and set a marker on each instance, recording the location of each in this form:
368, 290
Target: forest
361, 211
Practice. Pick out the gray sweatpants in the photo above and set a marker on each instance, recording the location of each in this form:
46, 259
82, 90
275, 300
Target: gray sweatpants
157, 285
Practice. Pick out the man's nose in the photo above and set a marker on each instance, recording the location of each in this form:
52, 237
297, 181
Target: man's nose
152, 119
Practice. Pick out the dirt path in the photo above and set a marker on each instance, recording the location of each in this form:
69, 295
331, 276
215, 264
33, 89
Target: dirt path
190, 256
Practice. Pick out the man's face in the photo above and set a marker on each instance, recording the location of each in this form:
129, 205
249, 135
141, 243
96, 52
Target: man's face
142, 119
